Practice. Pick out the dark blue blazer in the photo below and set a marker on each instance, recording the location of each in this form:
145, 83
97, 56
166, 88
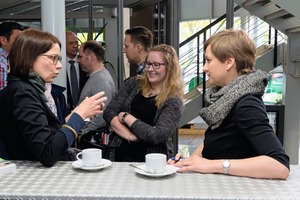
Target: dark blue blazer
60, 102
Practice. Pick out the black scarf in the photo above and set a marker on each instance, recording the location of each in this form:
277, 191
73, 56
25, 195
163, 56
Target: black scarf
220, 101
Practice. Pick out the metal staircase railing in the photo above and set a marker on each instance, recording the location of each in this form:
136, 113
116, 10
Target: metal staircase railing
191, 52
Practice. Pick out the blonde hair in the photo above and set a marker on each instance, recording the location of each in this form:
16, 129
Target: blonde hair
236, 44
173, 84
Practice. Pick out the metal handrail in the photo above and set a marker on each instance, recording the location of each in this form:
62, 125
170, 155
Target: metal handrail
206, 28
194, 57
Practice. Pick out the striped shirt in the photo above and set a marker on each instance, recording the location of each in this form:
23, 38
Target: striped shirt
3, 68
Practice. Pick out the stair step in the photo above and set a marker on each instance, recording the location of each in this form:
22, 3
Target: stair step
293, 30
268, 3
251, 2
262, 49
277, 14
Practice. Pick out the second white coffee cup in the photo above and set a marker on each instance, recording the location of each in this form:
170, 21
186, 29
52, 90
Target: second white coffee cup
90, 157
156, 163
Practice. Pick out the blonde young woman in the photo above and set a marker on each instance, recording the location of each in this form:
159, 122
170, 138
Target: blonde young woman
147, 109
239, 140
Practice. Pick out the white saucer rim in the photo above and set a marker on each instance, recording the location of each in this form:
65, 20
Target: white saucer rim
169, 170
106, 163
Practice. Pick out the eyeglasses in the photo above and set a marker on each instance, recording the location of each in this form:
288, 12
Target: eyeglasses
55, 58
154, 65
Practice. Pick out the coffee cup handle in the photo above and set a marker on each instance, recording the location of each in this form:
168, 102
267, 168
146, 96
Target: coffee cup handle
77, 156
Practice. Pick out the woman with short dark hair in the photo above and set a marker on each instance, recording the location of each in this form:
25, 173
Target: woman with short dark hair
29, 128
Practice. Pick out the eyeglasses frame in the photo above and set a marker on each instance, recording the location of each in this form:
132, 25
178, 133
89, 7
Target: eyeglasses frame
148, 64
55, 58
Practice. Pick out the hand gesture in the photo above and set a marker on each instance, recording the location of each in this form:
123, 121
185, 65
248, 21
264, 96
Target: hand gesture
91, 106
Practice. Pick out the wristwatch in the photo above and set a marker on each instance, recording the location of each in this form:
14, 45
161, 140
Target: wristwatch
226, 164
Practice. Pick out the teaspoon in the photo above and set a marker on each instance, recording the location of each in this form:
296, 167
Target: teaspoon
149, 172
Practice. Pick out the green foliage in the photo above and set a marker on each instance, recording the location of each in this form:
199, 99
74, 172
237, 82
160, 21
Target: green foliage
101, 31
84, 37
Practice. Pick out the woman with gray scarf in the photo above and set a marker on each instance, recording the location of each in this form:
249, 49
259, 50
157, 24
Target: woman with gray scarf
239, 140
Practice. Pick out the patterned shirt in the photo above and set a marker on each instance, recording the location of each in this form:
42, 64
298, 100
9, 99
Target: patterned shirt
3, 68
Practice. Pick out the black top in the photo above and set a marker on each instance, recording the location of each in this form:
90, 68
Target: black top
244, 133
157, 136
144, 109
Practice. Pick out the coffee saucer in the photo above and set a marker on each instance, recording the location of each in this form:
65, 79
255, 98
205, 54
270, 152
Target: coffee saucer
170, 169
79, 165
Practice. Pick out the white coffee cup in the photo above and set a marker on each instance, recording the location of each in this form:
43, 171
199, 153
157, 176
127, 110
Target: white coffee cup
90, 157
156, 163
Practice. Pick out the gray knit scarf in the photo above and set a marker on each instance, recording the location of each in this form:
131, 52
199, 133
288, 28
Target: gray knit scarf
38, 83
220, 101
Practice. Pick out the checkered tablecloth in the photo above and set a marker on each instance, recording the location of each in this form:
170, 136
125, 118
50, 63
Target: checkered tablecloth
120, 181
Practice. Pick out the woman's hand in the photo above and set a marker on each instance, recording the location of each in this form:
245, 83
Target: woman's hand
175, 159
196, 163
91, 106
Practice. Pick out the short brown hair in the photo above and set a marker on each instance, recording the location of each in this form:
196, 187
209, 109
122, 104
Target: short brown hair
141, 35
28, 45
236, 44
96, 48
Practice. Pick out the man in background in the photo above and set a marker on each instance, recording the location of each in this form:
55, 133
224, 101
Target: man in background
91, 57
9, 30
137, 42
76, 78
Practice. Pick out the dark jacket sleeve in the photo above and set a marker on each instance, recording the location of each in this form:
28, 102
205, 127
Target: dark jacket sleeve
47, 141
166, 122
253, 122
121, 101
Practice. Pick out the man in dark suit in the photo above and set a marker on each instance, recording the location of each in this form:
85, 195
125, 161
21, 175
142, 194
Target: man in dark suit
76, 78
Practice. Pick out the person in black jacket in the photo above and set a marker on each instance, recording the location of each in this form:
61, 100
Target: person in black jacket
29, 129
239, 141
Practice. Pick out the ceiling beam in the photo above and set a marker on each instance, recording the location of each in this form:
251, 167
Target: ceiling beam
10, 4
20, 18
37, 17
